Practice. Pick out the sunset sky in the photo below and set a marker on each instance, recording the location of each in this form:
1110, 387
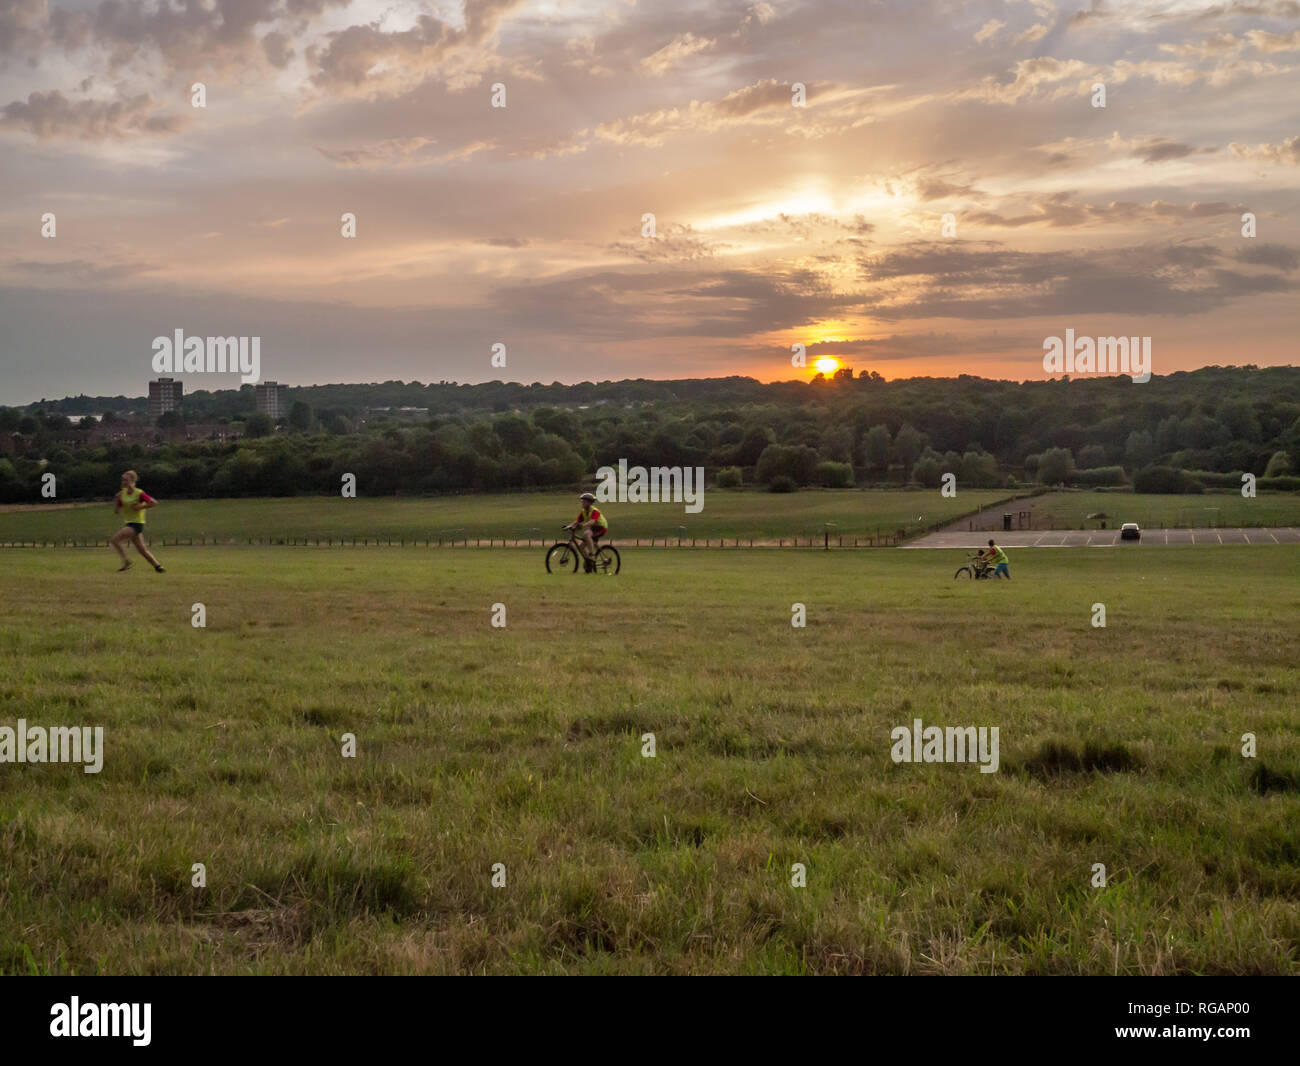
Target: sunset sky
775, 224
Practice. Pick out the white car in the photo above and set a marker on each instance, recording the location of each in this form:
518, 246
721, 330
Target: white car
1130, 531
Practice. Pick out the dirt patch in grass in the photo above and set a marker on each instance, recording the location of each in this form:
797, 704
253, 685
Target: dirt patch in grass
1055, 759
1264, 781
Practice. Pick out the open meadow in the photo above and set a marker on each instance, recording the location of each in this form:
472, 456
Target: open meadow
523, 746
728, 513
522, 516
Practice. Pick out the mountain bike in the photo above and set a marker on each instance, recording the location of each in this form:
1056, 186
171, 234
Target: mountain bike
976, 567
565, 555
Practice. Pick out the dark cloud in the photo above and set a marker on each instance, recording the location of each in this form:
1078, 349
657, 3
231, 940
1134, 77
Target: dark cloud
392, 152
349, 60
929, 344
985, 282
613, 307
51, 114
276, 47
935, 189
1160, 149
188, 37
83, 270
21, 24
1057, 211
1277, 256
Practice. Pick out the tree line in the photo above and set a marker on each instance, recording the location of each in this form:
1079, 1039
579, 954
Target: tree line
1182, 432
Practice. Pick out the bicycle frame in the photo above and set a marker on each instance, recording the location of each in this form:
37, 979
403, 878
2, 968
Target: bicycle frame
605, 558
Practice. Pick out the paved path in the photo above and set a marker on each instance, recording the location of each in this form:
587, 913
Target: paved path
1104, 538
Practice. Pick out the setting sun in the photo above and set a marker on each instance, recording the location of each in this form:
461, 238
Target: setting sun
827, 365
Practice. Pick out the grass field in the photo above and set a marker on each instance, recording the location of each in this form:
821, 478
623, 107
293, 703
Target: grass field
537, 515
522, 746
726, 513
1212, 509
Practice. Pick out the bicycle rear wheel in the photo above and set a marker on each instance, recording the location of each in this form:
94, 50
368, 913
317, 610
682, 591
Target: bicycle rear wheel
561, 558
608, 561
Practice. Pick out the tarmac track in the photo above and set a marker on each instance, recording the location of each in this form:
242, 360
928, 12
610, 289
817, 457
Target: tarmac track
1104, 538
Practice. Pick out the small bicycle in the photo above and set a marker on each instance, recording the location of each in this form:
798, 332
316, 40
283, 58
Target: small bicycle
564, 555
976, 567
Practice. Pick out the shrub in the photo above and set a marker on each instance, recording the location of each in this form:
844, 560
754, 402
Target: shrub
1215, 480
1278, 466
835, 475
782, 483
928, 470
1099, 475
1055, 466
978, 469
728, 477
797, 462
1166, 480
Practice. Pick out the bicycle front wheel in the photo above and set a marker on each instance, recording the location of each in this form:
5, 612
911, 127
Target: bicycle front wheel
607, 560
965, 572
561, 558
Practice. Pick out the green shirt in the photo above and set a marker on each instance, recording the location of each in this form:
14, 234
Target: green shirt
1000, 556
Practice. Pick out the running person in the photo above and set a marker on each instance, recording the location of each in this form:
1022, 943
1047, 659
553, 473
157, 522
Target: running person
997, 554
133, 502
591, 523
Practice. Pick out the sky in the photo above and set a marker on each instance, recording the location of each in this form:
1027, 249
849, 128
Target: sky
798, 160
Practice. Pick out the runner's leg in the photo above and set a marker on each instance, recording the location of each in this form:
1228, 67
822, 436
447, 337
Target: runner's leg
138, 540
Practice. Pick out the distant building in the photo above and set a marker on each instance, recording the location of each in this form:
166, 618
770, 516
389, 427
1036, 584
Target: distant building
272, 399
164, 395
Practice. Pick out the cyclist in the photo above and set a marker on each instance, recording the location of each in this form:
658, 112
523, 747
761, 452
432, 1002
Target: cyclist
592, 525
996, 554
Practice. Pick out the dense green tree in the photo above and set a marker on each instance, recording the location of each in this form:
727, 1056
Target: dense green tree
795, 461
259, 424
1279, 465
1055, 466
837, 444
1091, 455
978, 470
1139, 450
877, 446
928, 469
301, 417
909, 443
